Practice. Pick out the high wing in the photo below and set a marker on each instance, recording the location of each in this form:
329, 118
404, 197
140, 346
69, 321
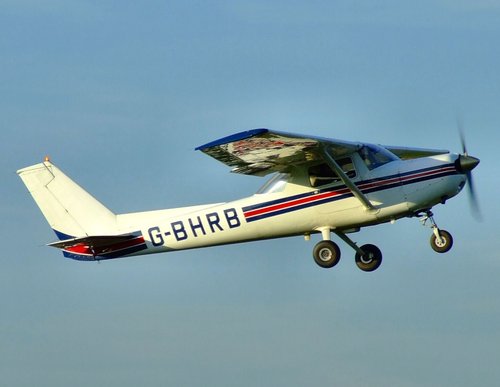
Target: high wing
262, 151
405, 153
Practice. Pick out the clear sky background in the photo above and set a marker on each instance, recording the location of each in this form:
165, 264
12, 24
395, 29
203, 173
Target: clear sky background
120, 93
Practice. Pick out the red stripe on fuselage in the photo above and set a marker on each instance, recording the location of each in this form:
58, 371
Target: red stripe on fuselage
292, 203
326, 195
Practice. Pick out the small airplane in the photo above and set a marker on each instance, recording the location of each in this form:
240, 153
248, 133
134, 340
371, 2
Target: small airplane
318, 185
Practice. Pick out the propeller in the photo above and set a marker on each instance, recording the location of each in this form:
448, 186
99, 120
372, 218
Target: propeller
466, 164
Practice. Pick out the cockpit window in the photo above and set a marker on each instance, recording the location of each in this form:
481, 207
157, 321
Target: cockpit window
375, 156
276, 183
322, 174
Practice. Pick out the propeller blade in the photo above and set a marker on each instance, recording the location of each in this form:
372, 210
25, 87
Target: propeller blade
460, 128
474, 203
467, 164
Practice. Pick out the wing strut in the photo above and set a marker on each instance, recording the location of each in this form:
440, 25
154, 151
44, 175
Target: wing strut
345, 179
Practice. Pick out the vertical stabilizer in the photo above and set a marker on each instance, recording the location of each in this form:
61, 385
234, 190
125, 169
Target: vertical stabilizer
70, 210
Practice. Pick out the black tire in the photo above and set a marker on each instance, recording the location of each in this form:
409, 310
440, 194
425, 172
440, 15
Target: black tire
326, 254
371, 260
445, 245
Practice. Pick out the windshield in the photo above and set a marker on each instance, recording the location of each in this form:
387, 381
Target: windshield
275, 184
375, 156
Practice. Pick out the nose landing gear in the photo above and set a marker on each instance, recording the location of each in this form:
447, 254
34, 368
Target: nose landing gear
441, 240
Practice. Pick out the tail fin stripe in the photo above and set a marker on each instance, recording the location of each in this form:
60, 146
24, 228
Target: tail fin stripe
62, 236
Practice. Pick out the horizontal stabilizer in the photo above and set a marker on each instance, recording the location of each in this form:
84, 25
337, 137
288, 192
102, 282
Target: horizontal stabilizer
99, 247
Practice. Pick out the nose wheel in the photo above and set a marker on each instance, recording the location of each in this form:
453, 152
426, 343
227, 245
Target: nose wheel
441, 243
441, 240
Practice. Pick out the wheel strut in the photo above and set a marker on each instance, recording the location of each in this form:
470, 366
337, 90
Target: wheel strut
350, 242
429, 216
327, 254
368, 257
441, 240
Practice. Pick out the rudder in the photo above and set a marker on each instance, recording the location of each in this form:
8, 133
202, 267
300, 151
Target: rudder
69, 209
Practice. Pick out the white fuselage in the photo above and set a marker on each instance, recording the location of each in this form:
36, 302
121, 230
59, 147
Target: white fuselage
292, 207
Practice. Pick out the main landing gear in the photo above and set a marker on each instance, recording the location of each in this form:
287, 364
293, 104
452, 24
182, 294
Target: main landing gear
441, 240
368, 257
327, 254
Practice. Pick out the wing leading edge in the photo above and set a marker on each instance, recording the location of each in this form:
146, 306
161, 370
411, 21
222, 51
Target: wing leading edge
406, 153
262, 151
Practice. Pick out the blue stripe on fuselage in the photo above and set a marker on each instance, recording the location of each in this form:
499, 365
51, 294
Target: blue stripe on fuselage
397, 183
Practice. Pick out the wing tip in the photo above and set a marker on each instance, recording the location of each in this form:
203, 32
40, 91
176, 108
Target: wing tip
233, 137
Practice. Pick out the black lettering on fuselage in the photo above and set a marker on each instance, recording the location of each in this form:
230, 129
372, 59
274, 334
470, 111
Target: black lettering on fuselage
232, 218
213, 220
179, 230
197, 226
155, 236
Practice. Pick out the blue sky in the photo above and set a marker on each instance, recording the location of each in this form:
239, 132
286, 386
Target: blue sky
119, 95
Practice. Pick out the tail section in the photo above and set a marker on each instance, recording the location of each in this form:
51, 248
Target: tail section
70, 210
102, 247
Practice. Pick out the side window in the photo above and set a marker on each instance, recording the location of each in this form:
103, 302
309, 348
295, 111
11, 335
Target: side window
276, 183
375, 157
322, 174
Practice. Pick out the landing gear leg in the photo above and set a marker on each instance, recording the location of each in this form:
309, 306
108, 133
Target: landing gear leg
441, 240
368, 257
326, 253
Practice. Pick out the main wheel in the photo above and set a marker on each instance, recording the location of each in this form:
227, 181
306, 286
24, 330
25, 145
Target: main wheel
371, 260
444, 245
326, 254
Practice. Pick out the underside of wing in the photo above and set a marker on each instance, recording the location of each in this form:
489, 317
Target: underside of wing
262, 151
414, 153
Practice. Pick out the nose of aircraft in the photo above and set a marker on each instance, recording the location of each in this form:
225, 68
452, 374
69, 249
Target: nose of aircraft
466, 163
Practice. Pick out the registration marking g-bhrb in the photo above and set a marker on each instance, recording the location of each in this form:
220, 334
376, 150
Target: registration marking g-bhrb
196, 226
